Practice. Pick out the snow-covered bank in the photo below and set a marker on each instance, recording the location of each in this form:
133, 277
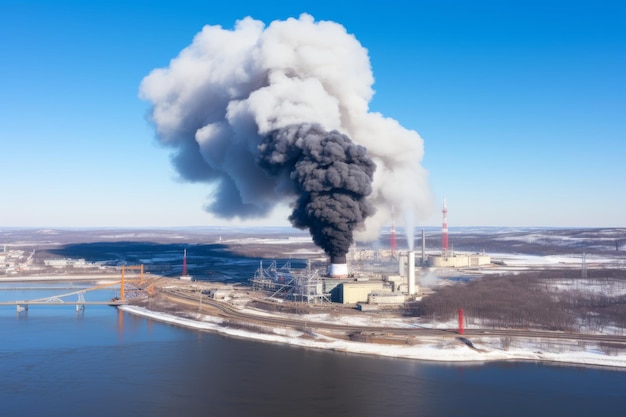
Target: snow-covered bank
445, 349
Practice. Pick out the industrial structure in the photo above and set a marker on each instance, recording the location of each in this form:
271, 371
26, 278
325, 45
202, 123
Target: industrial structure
18, 261
449, 259
346, 288
285, 283
375, 277
453, 260
184, 276
338, 267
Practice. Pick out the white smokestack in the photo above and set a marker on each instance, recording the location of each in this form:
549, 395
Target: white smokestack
338, 268
411, 272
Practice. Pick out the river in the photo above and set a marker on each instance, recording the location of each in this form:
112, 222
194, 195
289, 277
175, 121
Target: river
55, 361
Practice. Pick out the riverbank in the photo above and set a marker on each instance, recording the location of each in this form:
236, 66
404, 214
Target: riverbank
430, 348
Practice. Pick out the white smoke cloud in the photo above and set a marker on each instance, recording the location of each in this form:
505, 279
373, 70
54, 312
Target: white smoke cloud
222, 94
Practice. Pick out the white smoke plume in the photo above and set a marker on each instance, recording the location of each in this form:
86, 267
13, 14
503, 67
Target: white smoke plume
230, 90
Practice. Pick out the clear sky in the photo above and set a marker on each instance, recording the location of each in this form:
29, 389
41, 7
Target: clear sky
521, 105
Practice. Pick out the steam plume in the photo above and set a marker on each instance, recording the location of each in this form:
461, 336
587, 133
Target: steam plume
259, 112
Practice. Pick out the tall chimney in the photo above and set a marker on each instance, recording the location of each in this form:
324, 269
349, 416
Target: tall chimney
411, 272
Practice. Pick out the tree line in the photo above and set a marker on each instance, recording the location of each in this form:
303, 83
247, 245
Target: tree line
534, 300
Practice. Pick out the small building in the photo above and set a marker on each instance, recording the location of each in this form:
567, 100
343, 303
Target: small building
459, 261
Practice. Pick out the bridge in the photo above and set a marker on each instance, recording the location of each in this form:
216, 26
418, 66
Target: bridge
80, 302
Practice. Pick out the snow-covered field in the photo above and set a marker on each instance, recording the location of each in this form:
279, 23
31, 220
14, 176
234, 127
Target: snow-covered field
518, 260
588, 286
432, 349
578, 240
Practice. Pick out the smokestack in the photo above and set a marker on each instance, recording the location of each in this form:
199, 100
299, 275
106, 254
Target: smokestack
338, 268
411, 272
444, 229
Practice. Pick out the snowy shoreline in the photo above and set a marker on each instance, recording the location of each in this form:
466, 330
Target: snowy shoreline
436, 349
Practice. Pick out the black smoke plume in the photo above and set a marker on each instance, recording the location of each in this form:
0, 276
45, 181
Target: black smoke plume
331, 177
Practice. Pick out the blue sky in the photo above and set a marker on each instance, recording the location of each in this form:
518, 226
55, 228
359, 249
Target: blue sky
521, 105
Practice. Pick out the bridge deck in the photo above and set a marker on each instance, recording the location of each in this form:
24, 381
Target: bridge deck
66, 303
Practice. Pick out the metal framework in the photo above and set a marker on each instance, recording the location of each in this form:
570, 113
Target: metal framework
284, 282
122, 284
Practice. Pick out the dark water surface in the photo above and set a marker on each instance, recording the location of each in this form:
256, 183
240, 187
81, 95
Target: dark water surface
57, 362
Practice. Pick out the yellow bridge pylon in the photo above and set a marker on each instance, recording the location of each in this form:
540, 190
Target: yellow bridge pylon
132, 268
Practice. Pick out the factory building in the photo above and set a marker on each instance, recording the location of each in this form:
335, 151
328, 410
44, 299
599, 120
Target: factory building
392, 289
458, 261
358, 291
338, 284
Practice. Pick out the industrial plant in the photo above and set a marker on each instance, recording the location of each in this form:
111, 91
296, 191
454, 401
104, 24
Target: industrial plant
394, 280
17, 262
